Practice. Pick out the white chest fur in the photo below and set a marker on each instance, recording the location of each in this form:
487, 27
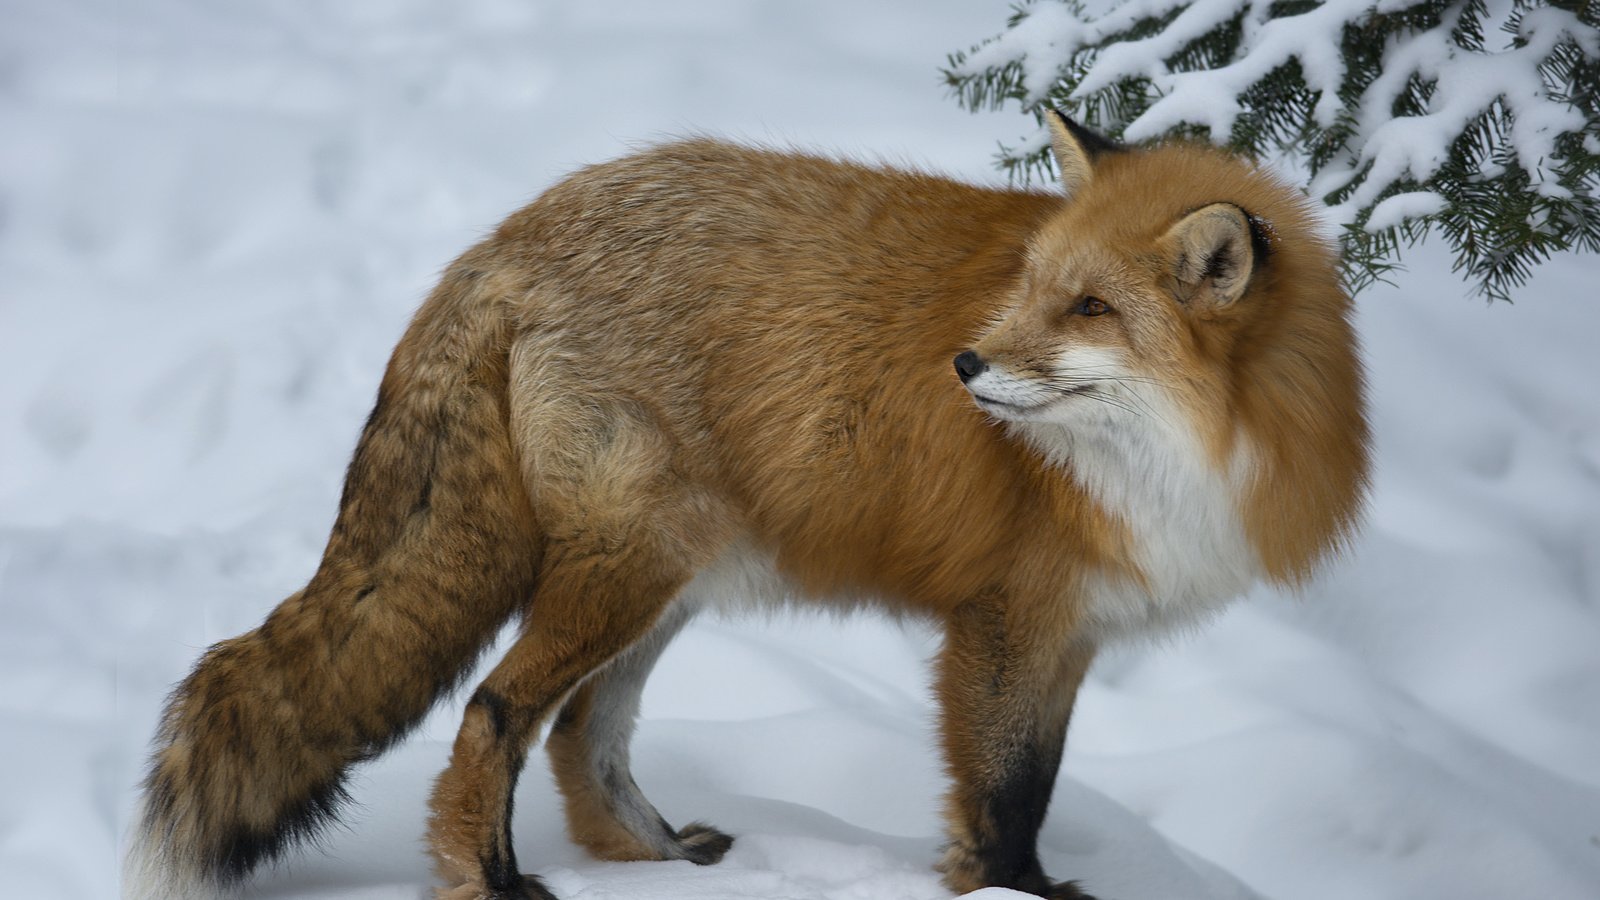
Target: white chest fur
1151, 473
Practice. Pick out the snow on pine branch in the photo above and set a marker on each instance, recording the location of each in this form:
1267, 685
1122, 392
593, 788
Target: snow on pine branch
1467, 86
1206, 97
1478, 117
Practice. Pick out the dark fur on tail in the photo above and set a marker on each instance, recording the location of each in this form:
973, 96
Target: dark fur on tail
433, 549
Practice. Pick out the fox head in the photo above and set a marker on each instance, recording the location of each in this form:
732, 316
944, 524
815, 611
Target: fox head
1181, 308
1145, 279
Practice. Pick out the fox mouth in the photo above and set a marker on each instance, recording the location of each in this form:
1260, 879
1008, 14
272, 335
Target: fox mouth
990, 404
1007, 409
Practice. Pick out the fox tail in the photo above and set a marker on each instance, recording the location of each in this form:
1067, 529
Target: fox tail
434, 548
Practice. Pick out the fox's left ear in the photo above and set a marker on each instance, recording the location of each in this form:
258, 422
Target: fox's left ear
1075, 149
1211, 253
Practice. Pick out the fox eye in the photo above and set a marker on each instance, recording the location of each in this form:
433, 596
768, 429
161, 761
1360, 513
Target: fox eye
1092, 306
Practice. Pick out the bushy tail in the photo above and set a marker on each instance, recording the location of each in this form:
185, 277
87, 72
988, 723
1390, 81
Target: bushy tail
434, 548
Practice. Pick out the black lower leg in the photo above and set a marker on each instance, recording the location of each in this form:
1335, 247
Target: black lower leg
1006, 713
501, 876
1014, 810
1013, 813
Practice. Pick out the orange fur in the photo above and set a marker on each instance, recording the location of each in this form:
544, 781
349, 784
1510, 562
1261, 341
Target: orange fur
708, 371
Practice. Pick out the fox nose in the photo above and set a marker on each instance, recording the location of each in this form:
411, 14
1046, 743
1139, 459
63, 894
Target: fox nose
969, 365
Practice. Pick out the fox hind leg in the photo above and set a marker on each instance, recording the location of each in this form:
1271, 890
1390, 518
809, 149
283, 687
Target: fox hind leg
588, 747
588, 608
625, 530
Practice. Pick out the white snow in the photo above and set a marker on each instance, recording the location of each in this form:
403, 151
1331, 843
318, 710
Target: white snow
214, 222
1392, 211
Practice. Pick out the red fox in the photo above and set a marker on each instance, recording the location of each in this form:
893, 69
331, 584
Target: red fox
707, 374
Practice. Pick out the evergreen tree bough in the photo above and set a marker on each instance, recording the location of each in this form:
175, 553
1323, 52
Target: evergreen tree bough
1477, 118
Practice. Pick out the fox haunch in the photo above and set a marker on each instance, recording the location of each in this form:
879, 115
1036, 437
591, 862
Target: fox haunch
709, 375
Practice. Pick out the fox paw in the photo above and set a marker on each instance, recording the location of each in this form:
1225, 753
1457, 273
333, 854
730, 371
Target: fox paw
529, 888
1067, 890
703, 844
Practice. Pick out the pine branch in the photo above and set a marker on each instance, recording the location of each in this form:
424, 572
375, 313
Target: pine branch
1478, 123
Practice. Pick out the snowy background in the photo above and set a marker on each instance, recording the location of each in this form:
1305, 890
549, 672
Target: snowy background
215, 220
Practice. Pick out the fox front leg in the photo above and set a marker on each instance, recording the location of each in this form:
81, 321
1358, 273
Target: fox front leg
1006, 693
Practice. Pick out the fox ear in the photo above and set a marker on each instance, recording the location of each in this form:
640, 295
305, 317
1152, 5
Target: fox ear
1075, 149
1212, 254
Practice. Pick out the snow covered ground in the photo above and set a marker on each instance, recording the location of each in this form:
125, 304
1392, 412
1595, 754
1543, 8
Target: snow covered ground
214, 222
